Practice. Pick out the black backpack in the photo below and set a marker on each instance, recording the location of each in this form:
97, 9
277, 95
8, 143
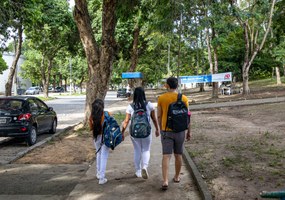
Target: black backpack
140, 126
177, 115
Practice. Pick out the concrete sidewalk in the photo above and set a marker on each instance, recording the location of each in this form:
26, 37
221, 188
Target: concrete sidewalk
122, 183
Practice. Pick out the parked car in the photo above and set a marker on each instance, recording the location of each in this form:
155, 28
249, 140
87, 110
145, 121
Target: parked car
50, 89
122, 92
59, 89
26, 117
21, 91
33, 90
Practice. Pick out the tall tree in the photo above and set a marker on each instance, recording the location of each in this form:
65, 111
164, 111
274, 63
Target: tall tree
53, 30
99, 56
255, 18
13, 15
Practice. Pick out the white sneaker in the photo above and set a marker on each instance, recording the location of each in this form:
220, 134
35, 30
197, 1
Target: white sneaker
138, 174
102, 181
144, 174
98, 176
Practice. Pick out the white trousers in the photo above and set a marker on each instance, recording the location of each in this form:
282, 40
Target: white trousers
141, 152
101, 157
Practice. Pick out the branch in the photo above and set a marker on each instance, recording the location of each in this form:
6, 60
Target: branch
269, 25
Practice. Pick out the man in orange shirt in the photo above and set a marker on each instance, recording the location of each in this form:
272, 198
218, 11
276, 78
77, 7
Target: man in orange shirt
170, 140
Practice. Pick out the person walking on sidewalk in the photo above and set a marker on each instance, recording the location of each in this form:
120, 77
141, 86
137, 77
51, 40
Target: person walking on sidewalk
96, 125
141, 144
171, 141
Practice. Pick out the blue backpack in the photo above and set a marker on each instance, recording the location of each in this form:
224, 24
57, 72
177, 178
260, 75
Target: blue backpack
111, 132
140, 126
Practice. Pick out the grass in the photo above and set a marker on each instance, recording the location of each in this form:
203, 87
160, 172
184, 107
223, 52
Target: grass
46, 98
265, 82
119, 117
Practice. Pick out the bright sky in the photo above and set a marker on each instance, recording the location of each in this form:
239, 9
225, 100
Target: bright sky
71, 3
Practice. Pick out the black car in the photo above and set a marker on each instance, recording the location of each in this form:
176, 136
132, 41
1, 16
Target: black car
122, 92
59, 89
26, 117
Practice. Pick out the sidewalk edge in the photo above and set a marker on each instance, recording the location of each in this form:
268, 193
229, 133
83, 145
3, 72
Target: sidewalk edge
205, 193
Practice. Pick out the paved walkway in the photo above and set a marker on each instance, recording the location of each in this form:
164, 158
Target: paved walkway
122, 183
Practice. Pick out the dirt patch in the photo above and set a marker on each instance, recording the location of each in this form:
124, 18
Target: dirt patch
240, 151
72, 147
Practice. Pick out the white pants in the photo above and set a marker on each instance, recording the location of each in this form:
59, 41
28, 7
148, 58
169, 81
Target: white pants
101, 156
141, 152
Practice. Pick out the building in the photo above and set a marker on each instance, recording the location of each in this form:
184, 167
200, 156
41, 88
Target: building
21, 83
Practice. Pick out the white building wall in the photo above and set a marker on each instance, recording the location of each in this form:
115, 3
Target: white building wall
22, 83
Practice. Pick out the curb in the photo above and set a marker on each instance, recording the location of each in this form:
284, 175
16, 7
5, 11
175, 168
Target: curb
38, 144
206, 195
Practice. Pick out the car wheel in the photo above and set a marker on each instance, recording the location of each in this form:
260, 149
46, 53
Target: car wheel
53, 126
32, 137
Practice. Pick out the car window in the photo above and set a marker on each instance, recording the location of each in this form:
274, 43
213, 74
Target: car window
16, 104
11, 104
41, 105
33, 106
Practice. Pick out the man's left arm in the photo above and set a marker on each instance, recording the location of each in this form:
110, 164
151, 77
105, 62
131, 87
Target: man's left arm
188, 133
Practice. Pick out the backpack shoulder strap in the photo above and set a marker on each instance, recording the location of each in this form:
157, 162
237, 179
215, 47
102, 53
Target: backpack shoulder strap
106, 113
179, 97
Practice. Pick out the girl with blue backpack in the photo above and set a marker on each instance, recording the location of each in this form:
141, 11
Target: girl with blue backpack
140, 112
96, 125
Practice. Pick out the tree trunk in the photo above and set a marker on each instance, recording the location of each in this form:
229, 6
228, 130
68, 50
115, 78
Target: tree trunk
215, 89
45, 73
99, 61
202, 89
245, 86
209, 50
134, 53
80, 84
278, 78
9, 84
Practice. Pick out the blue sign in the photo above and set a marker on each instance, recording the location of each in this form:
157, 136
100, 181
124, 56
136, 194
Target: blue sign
227, 76
196, 79
132, 75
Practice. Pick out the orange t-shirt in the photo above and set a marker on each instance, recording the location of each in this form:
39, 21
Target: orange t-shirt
163, 102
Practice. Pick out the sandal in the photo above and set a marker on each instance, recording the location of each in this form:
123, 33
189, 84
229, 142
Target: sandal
176, 180
164, 187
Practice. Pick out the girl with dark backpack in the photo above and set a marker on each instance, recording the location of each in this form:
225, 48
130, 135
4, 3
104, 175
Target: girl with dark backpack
96, 125
140, 132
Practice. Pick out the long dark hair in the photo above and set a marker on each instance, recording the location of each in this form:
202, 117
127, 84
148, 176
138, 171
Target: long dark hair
139, 100
96, 113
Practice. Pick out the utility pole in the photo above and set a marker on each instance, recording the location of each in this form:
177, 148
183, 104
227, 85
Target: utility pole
70, 81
